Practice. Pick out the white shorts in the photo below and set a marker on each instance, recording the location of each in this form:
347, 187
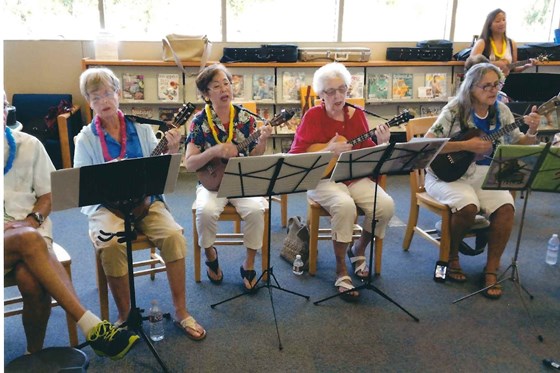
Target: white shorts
468, 190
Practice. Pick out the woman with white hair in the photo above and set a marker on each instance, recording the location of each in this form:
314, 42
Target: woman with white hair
331, 124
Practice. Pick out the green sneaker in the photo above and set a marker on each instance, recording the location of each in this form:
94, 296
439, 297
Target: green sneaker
106, 340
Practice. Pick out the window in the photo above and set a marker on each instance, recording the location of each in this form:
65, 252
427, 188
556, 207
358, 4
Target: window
395, 20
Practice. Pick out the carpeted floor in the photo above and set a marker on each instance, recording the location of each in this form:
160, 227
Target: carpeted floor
373, 334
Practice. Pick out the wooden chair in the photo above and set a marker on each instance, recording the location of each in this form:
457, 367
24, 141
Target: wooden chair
9, 304
354, 101
155, 264
314, 213
228, 239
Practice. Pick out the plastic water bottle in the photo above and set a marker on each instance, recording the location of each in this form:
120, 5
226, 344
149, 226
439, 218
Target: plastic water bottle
297, 268
552, 252
156, 322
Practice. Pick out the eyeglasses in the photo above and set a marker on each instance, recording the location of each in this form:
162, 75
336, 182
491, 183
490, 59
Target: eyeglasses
332, 91
216, 87
96, 98
488, 87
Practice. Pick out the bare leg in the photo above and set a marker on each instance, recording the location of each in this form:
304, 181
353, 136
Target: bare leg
26, 245
501, 225
461, 221
36, 308
121, 294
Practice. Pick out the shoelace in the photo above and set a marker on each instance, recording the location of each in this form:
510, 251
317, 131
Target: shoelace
105, 331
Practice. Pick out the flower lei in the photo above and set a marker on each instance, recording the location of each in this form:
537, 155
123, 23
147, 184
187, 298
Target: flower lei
504, 47
12, 153
213, 126
100, 132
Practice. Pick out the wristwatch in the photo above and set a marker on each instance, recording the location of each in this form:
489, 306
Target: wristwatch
37, 216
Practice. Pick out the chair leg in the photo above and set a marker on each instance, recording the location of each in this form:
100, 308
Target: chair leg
313, 222
196, 249
284, 209
378, 255
412, 222
102, 287
72, 328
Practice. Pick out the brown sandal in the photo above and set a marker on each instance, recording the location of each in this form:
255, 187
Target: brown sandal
456, 274
491, 286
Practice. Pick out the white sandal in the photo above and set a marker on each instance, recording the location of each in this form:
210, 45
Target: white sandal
356, 258
346, 283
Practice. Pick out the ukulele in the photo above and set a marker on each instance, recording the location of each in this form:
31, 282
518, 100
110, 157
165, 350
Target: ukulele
210, 175
451, 166
404, 117
141, 210
540, 58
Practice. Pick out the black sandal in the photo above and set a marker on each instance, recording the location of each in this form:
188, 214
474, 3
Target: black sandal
249, 275
214, 266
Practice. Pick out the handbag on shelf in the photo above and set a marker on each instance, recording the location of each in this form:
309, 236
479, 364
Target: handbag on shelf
186, 48
296, 242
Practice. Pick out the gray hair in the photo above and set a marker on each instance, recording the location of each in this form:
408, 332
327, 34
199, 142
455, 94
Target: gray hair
97, 77
475, 74
330, 71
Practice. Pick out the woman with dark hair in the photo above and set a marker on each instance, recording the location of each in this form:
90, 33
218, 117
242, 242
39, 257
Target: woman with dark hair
476, 106
496, 46
213, 134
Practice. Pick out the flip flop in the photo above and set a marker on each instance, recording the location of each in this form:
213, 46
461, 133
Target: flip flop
214, 266
486, 292
188, 326
249, 275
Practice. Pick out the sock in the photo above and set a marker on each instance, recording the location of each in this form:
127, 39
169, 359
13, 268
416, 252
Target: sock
87, 322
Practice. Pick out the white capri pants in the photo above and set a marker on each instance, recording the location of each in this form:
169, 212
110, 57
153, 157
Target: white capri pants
340, 200
468, 190
208, 210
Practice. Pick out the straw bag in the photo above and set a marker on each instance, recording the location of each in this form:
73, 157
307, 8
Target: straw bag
296, 242
185, 48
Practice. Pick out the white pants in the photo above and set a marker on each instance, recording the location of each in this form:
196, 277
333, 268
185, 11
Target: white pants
466, 191
208, 210
340, 200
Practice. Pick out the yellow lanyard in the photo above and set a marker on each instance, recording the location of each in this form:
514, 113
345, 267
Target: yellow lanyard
213, 126
504, 47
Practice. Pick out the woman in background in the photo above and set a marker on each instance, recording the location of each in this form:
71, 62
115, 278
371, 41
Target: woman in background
496, 46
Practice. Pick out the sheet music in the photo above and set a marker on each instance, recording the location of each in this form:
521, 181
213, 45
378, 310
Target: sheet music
252, 176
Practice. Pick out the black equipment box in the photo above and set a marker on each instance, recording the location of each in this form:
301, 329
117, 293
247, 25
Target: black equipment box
534, 50
264, 53
419, 54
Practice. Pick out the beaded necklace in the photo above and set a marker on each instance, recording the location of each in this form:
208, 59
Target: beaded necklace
213, 126
504, 47
12, 153
101, 134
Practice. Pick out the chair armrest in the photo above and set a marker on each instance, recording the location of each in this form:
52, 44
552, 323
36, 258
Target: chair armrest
69, 124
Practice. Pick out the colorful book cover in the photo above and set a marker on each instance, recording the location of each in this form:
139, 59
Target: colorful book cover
263, 87
238, 85
402, 86
133, 87
291, 83
168, 87
430, 110
356, 89
378, 86
167, 114
438, 82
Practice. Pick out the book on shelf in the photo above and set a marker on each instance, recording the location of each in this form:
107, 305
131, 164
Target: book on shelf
238, 85
291, 83
142, 112
133, 87
457, 80
412, 109
167, 114
430, 110
425, 92
168, 87
356, 89
402, 86
264, 112
378, 86
263, 87
438, 82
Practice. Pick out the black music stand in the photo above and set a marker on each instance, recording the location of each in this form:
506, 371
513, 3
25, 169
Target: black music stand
524, 168
392, 158
269, 175
121, 185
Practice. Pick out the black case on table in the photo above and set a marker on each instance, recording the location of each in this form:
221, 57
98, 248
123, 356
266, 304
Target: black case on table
419, 54
264, 53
